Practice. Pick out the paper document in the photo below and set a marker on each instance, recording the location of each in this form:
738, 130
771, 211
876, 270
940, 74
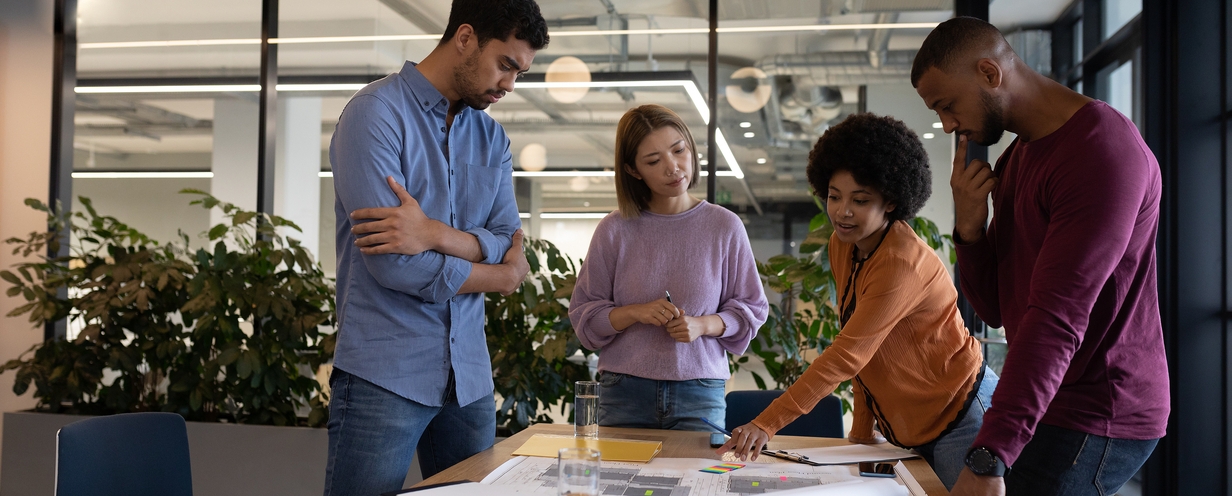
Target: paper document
616, 450
465, 489
856, 453
683, 476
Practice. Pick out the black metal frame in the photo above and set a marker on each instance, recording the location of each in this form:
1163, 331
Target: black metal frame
267, 123
63, 106
712, 101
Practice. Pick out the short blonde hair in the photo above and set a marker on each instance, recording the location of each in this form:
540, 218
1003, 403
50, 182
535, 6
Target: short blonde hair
632, 194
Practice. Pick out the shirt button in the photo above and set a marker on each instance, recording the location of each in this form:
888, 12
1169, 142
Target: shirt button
442, 129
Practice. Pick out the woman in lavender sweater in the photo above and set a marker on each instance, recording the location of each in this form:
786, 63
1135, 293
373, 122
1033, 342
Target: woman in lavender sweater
663, 359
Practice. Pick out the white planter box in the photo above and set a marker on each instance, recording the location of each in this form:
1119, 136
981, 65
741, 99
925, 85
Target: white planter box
227, 459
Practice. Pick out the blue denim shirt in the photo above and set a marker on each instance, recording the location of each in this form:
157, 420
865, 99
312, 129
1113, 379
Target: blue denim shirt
401, 322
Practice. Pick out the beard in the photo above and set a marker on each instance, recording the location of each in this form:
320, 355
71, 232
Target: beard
994, 122
464, 79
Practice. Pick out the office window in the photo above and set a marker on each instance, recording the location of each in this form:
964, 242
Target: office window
136, 144
1117, 13
1117, 84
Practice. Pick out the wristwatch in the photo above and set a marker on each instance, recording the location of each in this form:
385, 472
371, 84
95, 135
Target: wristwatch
984, 462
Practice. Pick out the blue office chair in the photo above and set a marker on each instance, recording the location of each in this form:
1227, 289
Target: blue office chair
130, 454
826, 419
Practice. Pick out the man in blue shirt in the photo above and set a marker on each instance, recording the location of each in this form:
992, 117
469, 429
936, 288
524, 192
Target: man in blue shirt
411, 368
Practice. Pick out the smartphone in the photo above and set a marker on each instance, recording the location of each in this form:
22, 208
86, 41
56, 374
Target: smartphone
871, 469
717, 439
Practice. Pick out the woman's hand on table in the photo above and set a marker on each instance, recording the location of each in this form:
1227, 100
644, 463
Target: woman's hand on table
874, 438
746, 442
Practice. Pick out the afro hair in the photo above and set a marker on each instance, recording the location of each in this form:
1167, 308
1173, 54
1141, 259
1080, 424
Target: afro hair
880, 153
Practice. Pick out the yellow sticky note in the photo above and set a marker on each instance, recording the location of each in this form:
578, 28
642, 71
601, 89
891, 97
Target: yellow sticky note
755, 484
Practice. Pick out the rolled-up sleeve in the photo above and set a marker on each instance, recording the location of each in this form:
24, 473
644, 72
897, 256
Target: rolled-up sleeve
367, 148
496, 237
591, 306
744, 307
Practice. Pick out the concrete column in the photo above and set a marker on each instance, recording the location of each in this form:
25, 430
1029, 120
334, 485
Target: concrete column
297, 181
234, 160
535, 223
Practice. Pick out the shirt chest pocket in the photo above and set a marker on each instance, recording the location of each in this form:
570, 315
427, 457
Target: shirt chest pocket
479, 186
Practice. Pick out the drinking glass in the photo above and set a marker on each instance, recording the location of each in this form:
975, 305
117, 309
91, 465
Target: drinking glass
577, 472
586, 409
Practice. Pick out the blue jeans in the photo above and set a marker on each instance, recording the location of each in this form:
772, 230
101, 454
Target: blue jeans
631, 401
947, 454
1067, 462
373, 434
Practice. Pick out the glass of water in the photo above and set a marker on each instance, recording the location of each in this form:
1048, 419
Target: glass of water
586, 409
578, 472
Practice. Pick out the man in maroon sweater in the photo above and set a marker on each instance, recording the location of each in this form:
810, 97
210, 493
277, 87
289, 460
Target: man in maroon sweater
1067, 266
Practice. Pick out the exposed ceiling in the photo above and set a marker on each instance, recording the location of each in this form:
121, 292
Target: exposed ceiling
132, 131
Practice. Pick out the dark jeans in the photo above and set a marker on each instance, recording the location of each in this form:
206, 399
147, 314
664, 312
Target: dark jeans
373, 434
631, 401
1067, 462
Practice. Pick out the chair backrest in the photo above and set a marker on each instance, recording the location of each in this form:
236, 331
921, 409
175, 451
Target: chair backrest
130, 454
826, 419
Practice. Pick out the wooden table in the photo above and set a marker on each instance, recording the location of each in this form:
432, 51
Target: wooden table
676, 444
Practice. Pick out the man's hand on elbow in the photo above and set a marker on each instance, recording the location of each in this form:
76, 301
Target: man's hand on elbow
515, 265
404, 229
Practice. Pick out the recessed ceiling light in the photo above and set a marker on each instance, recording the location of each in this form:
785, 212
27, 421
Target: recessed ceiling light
938, 125
746, 125
749, 134
929, 136
761, 160
704, 162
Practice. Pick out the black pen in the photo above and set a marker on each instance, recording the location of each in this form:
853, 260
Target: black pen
667, 294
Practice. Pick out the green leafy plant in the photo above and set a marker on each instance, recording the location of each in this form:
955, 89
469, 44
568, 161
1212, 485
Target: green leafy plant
532, 341
805, 321
226, 333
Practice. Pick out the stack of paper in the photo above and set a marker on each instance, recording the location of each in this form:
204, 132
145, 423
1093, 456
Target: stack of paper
612, 450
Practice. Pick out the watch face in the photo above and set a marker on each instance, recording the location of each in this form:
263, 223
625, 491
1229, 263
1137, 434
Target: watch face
982, 461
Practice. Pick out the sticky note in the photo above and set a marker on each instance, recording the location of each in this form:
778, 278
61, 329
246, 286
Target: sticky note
722, 468
755, 484
783, 478
649, 492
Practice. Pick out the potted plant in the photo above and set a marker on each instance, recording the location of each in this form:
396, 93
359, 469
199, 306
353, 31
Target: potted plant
532, 341
223, 333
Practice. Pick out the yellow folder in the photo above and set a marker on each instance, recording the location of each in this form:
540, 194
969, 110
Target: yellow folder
613, 450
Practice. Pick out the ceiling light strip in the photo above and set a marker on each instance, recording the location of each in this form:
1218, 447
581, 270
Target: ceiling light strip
561, 216
143, 175
199, 88
554, 34
563, 174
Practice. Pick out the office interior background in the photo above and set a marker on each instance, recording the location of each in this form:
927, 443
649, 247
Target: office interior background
129, 101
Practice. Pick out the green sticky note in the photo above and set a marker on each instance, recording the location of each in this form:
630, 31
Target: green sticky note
755, 484
587, 471
649, 492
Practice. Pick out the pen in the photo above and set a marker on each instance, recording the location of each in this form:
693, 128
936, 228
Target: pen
707, 421
668, 295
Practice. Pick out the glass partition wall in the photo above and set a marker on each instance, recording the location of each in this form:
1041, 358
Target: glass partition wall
168, 98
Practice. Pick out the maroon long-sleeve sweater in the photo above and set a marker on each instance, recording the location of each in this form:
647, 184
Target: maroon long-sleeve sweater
1068, 268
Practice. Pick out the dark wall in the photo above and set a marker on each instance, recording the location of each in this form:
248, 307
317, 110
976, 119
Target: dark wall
1185, 92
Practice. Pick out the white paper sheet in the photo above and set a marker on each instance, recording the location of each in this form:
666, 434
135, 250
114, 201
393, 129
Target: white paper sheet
856, 453
676, 476
869, 487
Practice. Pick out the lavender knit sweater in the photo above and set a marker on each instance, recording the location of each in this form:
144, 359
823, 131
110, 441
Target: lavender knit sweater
703, 257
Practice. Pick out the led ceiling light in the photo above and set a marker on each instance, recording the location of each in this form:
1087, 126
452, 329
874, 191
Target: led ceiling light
579, 184
568, 69
749, 90
534, 157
